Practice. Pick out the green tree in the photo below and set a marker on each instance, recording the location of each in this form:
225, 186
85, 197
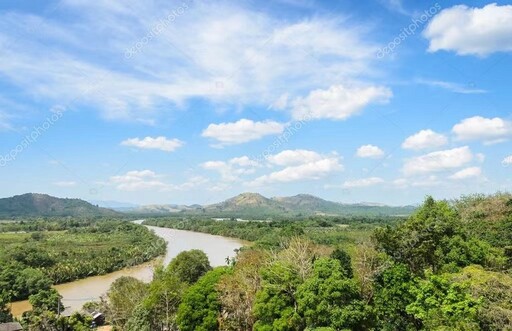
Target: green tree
200, 307
189, 266
46, 300
275, 305
123, 296
344, 260
444, 305
393, 293
329, 299
5, 313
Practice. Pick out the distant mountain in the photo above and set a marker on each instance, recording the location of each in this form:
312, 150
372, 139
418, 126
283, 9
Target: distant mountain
32, 204
247, 204
163, 209
254, 205
115, 205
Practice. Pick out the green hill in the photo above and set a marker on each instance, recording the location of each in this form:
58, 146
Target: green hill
32, 204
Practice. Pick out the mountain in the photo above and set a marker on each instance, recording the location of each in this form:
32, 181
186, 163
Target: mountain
247, 204
256, 206
162, 209
32, 204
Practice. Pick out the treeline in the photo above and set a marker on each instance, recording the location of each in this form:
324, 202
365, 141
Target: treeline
59, 251
321, 230
435, 271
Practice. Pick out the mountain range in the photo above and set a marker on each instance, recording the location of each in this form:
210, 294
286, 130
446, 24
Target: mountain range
245, 205
251, 205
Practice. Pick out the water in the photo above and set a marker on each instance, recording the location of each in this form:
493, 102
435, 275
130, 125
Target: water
76, 293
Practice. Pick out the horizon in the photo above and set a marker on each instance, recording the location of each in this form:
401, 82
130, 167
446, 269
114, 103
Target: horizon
188, 102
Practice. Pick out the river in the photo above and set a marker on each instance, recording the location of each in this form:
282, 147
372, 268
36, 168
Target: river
75, 294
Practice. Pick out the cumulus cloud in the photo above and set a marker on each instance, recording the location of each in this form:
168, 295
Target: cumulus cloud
424, 139
160, 143
309, 169
338, 102
471, 31
139, 180
438, 161
489, 130
370, 151
466, 173
364, 182
233, 169
242, 131
294, 157
507, 161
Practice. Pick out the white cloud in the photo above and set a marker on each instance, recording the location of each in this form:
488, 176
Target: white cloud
294, 157
338, 102
364, 182
471, 31
161, 143
311, 170
466, 173
242, 131
138, 181
489, 130
233, 169
224, 52
65, 184
453, 87
370, 151
424, 139
438, 161
507, 161
425, 181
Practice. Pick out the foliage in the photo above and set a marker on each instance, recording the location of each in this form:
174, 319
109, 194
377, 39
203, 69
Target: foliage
124, 296
189, 266
441, 304
329, 298
200, 307
68, 249
46, 300
434, 238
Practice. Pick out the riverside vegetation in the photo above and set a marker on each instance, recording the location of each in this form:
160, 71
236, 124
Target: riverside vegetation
446, 267
37, 253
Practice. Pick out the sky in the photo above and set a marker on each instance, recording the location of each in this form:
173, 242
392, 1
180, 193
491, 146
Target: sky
159, 102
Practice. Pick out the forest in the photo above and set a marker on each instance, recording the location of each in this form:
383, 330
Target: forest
37, 253
446, 267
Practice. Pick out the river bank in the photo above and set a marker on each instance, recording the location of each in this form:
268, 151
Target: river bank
76, 293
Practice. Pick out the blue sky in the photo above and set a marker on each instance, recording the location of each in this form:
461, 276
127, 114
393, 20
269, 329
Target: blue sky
196, 101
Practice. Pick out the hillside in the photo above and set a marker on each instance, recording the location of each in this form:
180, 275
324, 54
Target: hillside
254, 205
32, 204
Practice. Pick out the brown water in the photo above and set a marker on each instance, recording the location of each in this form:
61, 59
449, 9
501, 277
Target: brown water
76, 293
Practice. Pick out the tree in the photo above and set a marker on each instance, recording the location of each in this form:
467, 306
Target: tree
444, 305
435, 238
46, 300
123, 296
189, 266
200, 307
5, 313
164, 296
329, 299
393, 293
344, 260
238, 291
